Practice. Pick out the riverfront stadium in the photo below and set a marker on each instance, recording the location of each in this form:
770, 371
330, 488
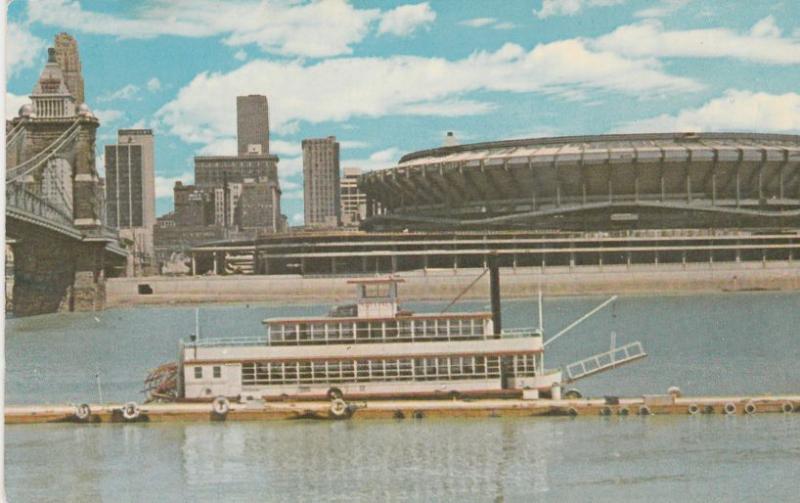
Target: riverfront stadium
590, 183
658, 201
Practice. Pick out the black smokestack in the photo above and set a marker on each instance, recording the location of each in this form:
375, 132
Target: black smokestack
494, 290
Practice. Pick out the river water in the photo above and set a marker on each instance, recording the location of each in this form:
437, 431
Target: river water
745, 343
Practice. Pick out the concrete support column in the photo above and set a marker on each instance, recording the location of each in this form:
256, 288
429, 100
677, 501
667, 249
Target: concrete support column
194, 265
216, 262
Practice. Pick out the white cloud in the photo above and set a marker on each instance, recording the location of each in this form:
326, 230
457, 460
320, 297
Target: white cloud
127, 92
354, 144
411, 85
570, 7
240, 55
164, 185
381, 159
22, 48
290, 185
480, 22
665, 8
220, 146
153, 85
108, 116
298, 218
291, 195
13, 104
290, 166
406, 19
315, 29
762, 44
735, 110
283, 147
100, 163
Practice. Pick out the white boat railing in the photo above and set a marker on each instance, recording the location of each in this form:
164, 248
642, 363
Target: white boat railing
227, 341
265, 341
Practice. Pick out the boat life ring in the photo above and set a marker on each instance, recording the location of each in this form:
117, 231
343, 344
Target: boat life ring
130, 411
339, 408
418, 414
730, 408
83, 411
694, 409
644, 410
605, 411
572, 411
335, 393
750, 408
221, 406
573, 394
623, 411
674, 391
787, 407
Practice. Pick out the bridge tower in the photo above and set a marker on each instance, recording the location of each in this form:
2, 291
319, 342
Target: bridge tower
52, 183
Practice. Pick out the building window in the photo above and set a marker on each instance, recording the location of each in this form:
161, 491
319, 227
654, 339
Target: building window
198, 372
217, 372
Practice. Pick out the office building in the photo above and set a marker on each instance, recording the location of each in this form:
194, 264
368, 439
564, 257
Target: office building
321, 182
66, 50
252, 124
130, 190
353, 201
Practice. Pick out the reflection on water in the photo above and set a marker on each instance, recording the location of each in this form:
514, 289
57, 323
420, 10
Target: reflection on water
513, 459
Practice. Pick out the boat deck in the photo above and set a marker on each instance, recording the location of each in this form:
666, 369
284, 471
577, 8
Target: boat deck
399, 409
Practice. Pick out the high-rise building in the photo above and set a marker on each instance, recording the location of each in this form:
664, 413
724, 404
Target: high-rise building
321, 182
354, 202
252, 124
130, 190
70, 62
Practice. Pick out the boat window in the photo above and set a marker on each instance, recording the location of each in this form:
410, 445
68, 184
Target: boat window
217, 372
375, 330
346, 331
405, 329
376, 291
391, 329
362, 330
198, 372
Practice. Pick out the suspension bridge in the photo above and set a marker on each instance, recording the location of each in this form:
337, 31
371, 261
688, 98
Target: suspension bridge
62, 251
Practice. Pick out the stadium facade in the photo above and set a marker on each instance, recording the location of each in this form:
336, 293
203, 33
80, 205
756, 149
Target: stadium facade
593, 183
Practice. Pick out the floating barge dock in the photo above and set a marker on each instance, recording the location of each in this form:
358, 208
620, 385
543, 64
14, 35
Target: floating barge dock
407, 409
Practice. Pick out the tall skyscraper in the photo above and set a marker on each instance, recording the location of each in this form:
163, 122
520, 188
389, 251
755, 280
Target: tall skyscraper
130, 189
252, 124
321, 182
70, 62
354, 202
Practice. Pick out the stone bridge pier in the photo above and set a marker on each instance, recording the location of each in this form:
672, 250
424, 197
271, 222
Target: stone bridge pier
53, 274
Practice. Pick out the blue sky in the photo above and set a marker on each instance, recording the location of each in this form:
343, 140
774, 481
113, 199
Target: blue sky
392, 77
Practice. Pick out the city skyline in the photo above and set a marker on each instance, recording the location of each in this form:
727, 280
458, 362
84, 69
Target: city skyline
531, 68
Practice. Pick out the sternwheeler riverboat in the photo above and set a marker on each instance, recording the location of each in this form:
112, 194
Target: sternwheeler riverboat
374, 349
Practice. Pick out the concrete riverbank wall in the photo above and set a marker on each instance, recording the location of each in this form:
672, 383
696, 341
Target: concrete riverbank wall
446, 284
